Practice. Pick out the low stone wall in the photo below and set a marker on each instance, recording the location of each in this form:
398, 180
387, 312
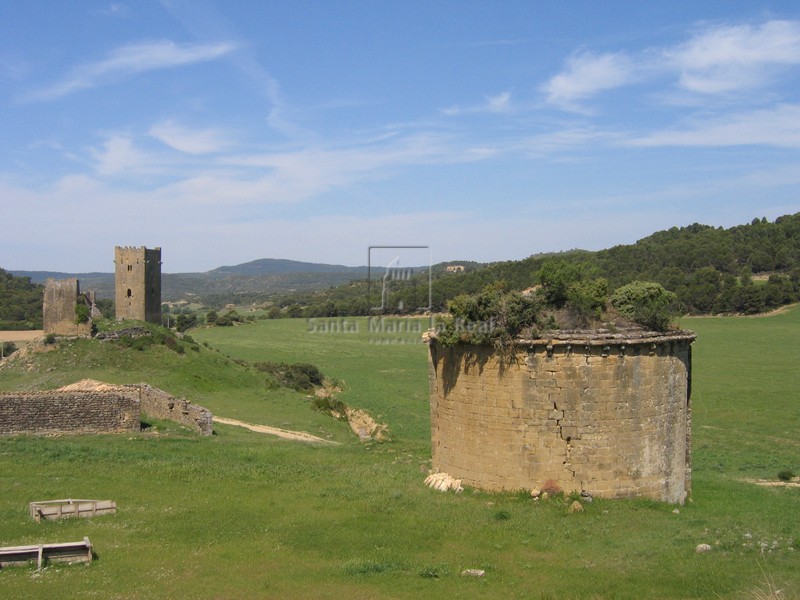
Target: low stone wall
57, 412
610, 417
161, 405
94, 407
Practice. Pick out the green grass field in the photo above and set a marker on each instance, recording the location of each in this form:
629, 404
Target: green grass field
246, 515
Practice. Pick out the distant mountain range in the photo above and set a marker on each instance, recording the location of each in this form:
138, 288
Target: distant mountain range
262, 276
273, 266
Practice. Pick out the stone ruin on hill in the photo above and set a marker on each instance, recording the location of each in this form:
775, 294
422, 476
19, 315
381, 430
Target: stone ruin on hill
93, 407
67, 311
606, 414
137, 294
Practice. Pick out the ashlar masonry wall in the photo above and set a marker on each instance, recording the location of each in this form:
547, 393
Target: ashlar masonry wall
55, 412
605, 414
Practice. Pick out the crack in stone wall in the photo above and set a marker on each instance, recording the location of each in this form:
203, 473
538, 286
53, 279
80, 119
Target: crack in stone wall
606, 417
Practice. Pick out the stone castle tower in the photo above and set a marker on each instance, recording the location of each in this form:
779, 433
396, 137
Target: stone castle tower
137, 283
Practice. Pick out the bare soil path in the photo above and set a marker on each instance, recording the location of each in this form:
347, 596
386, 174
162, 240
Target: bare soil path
20, 336
283, 433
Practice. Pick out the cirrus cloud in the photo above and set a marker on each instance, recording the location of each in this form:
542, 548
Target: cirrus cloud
130, 60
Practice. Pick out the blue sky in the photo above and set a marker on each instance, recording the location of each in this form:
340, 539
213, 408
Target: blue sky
230, 131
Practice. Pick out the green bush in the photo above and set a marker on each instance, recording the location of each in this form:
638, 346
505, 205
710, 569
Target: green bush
646, 303
490, 317
82, 313
7, 349
786, 475
556, 277
331, 406
186, 321
586, 300
298, 376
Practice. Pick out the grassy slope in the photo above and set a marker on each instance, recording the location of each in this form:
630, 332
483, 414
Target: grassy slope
205, 377
245, 515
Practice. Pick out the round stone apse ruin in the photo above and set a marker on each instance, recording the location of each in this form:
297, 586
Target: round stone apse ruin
607, 414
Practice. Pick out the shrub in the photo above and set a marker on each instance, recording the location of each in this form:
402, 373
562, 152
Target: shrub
298, 376
556, 277
331, 406
646, 303
82, 313
786, 475
7, 349
586, 300
185, 321
490, 317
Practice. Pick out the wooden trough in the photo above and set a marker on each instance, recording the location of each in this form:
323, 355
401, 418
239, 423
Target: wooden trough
70, 552
59, 509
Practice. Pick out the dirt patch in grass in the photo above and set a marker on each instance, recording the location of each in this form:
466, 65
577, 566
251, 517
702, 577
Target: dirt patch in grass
20, 336
299, 436
774, 483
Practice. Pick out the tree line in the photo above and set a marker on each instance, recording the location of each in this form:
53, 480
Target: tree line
744, 269
20, 302
711, 270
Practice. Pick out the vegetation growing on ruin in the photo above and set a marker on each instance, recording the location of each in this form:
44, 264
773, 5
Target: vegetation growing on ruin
646, 303
564, 300
494, 316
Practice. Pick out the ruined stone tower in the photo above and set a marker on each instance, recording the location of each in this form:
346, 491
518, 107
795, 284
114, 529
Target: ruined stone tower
60, 309
137, 283
606, 414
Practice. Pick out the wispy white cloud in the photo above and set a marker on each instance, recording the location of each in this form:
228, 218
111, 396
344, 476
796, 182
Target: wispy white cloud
585, 75
191, 141
567, 140
779, 126
204, 21
497, 104
118, 155
715, 60
726, 58
130, 60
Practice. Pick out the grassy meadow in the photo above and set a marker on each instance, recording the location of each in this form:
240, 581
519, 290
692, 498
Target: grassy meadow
247, 515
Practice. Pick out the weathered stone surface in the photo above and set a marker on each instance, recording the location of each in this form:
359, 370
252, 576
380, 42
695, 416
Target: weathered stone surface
93, 407
604, 414
56, 412
59, 306
701, 548
137, 283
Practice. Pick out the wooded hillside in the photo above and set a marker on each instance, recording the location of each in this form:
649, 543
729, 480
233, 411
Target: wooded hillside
20, 302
